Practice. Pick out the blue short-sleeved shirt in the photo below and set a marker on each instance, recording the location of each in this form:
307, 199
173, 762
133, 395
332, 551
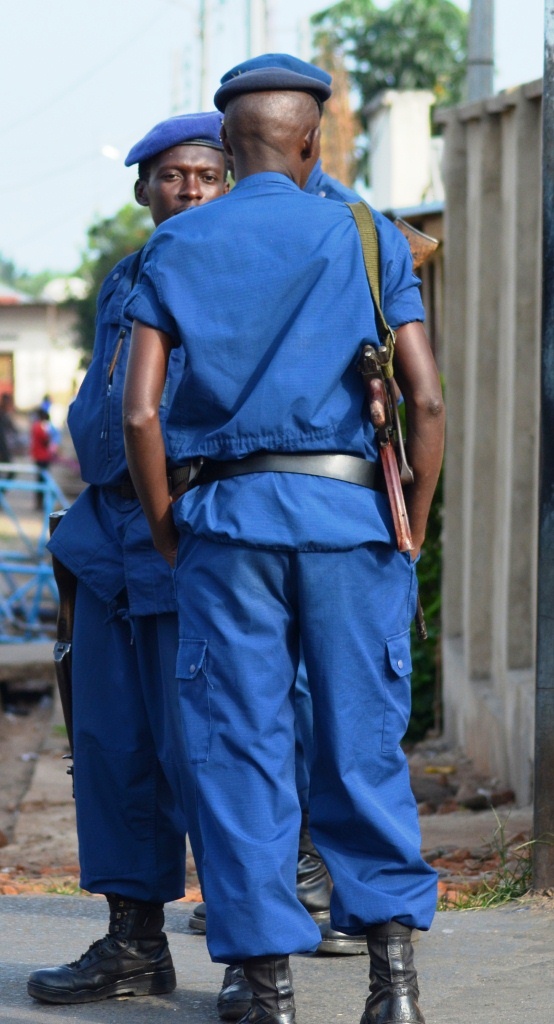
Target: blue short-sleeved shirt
266, 293
104, 538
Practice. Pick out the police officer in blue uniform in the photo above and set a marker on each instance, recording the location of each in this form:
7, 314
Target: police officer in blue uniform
281, 536
131, 777
313, 884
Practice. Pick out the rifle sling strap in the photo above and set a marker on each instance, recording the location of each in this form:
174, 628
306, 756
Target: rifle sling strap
370, 248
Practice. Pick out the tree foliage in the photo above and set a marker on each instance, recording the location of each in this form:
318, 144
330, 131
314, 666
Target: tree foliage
412, 44
108, 241
22, 280
8, 272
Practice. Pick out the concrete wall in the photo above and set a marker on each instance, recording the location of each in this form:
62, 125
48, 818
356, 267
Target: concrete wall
490, 352
403, 159
39, 337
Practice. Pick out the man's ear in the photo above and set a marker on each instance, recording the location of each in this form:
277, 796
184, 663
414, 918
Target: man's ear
310, 148
141, 192
226, 144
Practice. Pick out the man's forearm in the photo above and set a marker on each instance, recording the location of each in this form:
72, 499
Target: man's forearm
424, 451
146, 459
420, 385
144, 444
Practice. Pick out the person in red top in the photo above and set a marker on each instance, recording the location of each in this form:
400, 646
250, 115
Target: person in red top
43, 448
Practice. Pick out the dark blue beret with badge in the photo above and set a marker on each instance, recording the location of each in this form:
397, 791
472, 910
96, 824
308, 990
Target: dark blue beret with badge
273, 71
181, 130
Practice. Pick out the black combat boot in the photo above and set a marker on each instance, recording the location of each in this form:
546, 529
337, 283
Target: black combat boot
270, 979
133, 959
393, 990
313, 882
235, 997
197, 920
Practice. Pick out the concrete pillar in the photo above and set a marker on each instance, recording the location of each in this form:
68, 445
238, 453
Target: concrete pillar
480, 50
525, 425
482, 314
517, 464
454, 360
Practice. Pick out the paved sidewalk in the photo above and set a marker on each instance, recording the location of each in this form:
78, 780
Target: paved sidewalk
479, 966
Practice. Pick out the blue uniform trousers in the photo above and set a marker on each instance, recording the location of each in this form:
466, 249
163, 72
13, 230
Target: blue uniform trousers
132, 780
304, 733
243, 613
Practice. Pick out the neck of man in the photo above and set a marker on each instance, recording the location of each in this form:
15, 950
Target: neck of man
265, 159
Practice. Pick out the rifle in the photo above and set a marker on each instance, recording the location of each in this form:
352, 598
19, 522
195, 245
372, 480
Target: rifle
421, 246
377, 374
67, 587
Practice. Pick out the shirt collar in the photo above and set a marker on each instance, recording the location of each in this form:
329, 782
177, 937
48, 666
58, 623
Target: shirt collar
264, 178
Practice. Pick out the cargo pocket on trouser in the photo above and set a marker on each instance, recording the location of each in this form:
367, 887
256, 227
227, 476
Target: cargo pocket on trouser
194, 700
398, 696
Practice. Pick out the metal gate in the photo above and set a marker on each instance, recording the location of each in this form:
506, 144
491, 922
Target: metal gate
28, 592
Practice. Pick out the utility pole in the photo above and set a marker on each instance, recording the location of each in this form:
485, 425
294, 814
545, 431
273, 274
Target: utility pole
480, 50
256, 27
203, 31
543, 831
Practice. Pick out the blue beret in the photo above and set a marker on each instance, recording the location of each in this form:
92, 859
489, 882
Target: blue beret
273, 71
184, 129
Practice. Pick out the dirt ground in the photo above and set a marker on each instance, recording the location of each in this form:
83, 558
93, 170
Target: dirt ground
38, 840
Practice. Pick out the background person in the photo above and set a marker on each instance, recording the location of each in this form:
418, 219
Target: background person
9, 435
42, 448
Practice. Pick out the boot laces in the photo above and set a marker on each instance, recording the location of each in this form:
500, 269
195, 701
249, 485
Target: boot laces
107, 944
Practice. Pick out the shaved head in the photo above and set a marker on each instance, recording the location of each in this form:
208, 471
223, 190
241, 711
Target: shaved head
276, 131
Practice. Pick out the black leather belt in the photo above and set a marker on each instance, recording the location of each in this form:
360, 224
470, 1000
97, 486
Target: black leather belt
350, 468
124, 490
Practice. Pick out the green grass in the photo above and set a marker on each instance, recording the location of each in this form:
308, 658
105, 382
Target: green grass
65, 888
511, 881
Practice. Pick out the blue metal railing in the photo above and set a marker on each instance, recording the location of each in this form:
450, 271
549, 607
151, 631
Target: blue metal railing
28, 592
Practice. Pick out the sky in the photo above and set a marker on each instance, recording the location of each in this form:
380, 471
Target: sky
82, 80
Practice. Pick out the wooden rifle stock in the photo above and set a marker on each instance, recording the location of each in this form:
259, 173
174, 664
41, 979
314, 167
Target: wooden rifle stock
379, 401
396, 498
67, 586
421, 246
385, 422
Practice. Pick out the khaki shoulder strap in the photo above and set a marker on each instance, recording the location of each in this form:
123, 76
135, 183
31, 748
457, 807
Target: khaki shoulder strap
370, 248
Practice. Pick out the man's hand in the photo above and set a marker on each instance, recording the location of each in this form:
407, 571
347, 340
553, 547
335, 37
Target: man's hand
168, 549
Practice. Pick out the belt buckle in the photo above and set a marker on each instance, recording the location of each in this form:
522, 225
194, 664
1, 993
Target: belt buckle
189, 480
195, 469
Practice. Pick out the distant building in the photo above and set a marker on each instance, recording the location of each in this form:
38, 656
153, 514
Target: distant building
37, 351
